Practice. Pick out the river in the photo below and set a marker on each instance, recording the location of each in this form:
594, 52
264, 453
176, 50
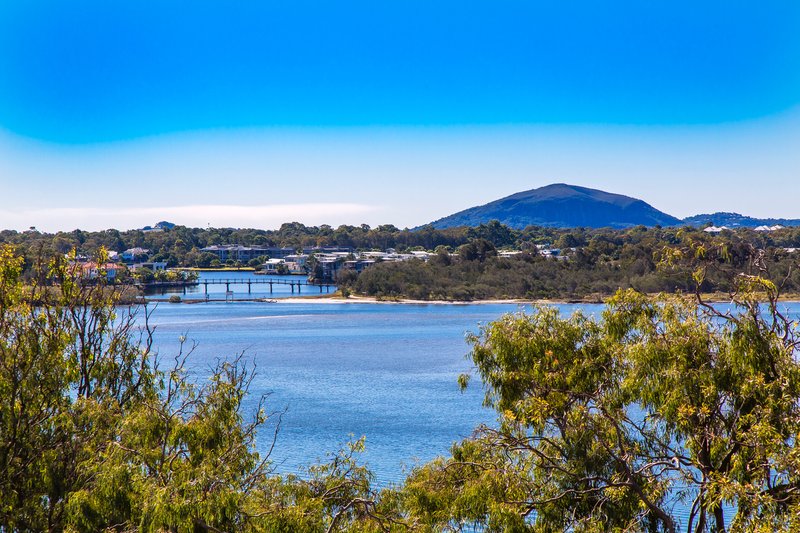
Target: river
385, 371
339, 371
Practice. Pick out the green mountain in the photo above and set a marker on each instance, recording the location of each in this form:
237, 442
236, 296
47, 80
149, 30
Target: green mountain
562, 206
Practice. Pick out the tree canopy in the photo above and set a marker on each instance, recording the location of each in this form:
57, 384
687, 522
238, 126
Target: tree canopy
663, 414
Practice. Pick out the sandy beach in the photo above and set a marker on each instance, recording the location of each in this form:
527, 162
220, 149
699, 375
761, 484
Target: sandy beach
335, 299
372, 300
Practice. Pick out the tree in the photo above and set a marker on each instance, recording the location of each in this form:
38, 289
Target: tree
477, 250
202, 259
257, 261
96, 436
68, 376
495, 232
663, 404
568, 240
144, 275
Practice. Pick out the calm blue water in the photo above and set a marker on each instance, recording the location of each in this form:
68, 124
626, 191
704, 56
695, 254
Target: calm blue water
340, 371
386, 371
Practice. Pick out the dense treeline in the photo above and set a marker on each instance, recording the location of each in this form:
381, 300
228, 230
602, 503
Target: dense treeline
98, 433
593, 264
180, 245
466, 266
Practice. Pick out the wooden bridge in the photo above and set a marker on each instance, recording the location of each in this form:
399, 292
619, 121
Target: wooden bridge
270, 281
294, 284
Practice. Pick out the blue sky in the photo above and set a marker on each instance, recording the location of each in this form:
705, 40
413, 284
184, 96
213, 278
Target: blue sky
252, 113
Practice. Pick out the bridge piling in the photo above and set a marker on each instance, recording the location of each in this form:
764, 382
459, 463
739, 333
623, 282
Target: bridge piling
296, 286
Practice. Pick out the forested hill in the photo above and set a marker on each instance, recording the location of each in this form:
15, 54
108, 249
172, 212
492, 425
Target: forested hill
562, 206
735, 220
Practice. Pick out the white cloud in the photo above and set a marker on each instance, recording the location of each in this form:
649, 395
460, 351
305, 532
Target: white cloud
255, 216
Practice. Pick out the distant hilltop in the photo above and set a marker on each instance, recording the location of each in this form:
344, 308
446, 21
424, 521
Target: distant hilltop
735, 220
568, 206
160, 226
562, 206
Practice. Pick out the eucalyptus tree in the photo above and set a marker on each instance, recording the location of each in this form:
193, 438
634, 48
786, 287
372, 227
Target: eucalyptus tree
663, 414
97, 435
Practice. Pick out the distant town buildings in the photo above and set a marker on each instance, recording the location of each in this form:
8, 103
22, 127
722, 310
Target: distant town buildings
237, 252
719, 229
769, 228
716, 229
328, 261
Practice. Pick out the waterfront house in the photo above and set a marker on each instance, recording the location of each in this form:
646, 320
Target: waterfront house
91, 270
155, 266
275, 266
296, 263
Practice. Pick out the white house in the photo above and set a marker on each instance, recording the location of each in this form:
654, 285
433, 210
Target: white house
769, 228
715, 229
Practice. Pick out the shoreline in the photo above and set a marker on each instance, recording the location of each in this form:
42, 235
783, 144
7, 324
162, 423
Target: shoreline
327, 300
400, 301
356, 300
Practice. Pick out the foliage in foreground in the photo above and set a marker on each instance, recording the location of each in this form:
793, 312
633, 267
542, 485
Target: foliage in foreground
663, 414
95, 435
